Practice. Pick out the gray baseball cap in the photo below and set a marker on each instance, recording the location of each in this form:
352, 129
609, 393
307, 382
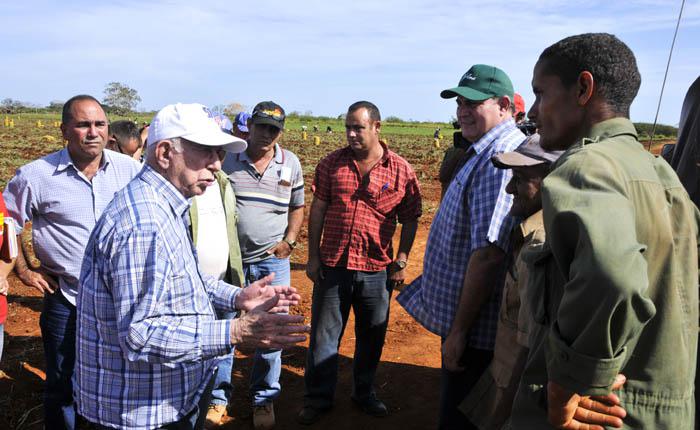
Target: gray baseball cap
529, 153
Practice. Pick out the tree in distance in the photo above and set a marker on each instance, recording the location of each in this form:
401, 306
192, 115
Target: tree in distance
232, 109
120, 98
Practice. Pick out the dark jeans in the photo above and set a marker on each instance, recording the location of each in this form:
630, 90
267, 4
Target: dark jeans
368, 294
454, 387
57, 324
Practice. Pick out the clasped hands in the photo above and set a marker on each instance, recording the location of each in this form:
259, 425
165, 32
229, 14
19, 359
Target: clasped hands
262, 326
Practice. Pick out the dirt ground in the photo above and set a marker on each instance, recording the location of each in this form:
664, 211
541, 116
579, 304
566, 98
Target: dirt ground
407, 379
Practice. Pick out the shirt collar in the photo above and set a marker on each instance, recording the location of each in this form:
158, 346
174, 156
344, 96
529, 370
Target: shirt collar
385, 153
611, 128
164, 188
532, 223
65, 161
491, 135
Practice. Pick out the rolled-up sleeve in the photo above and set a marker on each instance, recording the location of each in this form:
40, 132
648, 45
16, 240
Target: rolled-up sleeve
19, 199
590, 227
489, 205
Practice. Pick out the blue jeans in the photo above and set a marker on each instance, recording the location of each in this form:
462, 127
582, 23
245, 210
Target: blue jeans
267, 364
369, 295
57, 324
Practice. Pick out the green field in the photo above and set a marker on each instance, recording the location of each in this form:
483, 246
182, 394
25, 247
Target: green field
26, 141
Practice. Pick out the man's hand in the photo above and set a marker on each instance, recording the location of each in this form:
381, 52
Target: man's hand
397, 276
4, 285
567, 410
260, 291
452, 351
260, 328
313, 270
280, 250
38, 280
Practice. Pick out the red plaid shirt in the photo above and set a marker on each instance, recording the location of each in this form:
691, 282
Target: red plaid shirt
362, 213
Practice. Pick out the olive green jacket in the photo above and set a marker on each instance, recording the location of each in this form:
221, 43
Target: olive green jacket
618, 280
234, 273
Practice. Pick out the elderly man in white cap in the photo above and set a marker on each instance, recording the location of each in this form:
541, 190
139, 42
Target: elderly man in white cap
148, 339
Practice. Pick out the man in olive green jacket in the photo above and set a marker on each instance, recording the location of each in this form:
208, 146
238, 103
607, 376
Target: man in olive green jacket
618, 275
213, 223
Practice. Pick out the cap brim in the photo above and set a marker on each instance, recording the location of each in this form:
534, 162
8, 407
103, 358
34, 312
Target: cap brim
243, 128
217, 137
268, 121
508, 160
465, 92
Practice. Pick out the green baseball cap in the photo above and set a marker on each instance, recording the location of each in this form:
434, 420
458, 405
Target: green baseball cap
481, 82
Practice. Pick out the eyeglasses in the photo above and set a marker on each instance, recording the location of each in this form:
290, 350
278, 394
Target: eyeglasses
206, 151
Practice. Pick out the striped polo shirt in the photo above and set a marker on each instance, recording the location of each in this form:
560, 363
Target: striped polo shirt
263, 201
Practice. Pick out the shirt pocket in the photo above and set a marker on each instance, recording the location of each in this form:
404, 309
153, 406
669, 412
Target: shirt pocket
385, 201
535, 295
510, 305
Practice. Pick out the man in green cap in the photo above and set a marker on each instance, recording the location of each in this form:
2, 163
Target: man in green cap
459, 294
618, 275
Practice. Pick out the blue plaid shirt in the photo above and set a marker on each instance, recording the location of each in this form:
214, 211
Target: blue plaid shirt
147, 334
473, 214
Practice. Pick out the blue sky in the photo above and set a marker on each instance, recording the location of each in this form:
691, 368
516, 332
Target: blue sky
321, 56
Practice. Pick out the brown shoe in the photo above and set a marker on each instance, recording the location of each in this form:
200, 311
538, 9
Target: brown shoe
214, 414
264, 417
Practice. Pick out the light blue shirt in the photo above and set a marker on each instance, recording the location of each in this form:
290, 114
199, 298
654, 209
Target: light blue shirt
63, 206
147, 334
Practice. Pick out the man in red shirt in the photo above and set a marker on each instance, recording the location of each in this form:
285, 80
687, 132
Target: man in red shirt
360, 192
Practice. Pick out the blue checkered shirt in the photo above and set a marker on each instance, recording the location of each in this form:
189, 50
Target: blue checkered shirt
473, 214
147, 334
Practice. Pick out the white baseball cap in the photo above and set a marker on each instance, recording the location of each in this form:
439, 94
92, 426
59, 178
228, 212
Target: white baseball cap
194, 122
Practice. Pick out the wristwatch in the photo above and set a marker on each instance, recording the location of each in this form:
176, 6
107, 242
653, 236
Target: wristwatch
401, 264
292, 243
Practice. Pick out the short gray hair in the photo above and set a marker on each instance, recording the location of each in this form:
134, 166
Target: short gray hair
151, 147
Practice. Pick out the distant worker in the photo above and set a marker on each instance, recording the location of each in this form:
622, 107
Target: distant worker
329, 130
360, 193
436, 135
315, 128
124, 137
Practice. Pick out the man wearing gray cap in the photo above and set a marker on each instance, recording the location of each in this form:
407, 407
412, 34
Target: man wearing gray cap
458, 295
148, 338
